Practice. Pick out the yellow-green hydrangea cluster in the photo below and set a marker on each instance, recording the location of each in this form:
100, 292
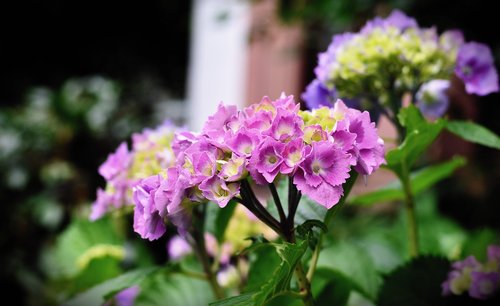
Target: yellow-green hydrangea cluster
388, 60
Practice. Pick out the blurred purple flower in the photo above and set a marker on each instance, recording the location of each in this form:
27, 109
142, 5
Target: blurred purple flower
178, 247
484, 284
432, 98
317, 95
475, 67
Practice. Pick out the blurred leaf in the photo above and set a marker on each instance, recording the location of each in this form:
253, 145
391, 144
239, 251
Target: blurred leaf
419, 135
98, 294
478, 243
162, 288
290, 255
285, 300
330, 288
474, 132
417, 283
97, 271
218, 219
81, 242
307, 209
239, 300
354, 264
420, 181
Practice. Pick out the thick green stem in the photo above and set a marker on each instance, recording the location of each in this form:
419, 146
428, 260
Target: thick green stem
411, 215
304, 285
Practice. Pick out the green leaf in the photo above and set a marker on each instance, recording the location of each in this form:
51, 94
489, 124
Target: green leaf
80, 243
353, 263
98, 270
218, 219
308, 225
419, 135
263, 262
163, 288
239, 300
478, 243
290, 255
411, 118
474, 133
97, 294
418, 283
420, 181
330, 288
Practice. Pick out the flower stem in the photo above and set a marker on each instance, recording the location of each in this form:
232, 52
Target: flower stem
201, 251
304, 285
250, 201
277, 201
411, 215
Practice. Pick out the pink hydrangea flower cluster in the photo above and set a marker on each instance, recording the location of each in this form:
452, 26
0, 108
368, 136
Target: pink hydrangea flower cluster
481, 281
151, 152
265, 142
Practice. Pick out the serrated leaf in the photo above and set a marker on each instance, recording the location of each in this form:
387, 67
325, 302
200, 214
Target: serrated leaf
419, 135
417, 283
239, 300
290, 255
263, 262
420, 181
353, 263
163, 288
96, 295
474, 132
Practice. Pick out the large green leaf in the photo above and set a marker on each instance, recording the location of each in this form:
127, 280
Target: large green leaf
420, 181
163, 288
80, 243
263, 262
96, 295
419, 135
354, 264
474, 133
418, 283
98, 270
290, 255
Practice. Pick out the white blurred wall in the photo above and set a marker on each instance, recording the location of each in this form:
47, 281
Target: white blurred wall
218, 57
